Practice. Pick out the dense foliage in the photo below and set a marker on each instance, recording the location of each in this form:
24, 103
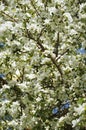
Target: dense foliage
42, 68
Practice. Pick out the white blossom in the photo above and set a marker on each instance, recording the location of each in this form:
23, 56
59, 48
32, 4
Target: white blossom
75, 122
31, 76
68, 15
47, 21
80, 109
17, 72
36, 81
52, 10
59, 1
13, 123
73, 32
2, 7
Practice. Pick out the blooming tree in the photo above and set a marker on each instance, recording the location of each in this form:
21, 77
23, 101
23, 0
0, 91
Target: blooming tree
42, 75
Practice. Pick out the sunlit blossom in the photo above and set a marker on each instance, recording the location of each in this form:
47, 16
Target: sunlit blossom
75, 122
38, 88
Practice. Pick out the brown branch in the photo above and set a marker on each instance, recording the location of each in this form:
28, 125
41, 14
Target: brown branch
57, 66
22, 74
62, 54
39, 43
5, 2
37, 13
12, 19
35, 8
30, 35
56, 45
41, 32
43, 49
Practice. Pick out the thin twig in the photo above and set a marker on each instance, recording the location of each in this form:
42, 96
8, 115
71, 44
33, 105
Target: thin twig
56, 45
30, 35
39, 43
12, 19
5, 2
62, 54
37, 13
22, 75
43, 49
55, 63
40, 34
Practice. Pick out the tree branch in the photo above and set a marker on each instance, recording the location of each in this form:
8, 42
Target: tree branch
22, 74
37, 13
56, 45
12, 19
38, 42
62, 55
57, 66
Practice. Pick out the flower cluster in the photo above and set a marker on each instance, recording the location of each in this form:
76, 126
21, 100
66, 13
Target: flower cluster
42, 64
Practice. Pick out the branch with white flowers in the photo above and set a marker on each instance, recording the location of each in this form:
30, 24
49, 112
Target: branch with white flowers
38, 42
11, 18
